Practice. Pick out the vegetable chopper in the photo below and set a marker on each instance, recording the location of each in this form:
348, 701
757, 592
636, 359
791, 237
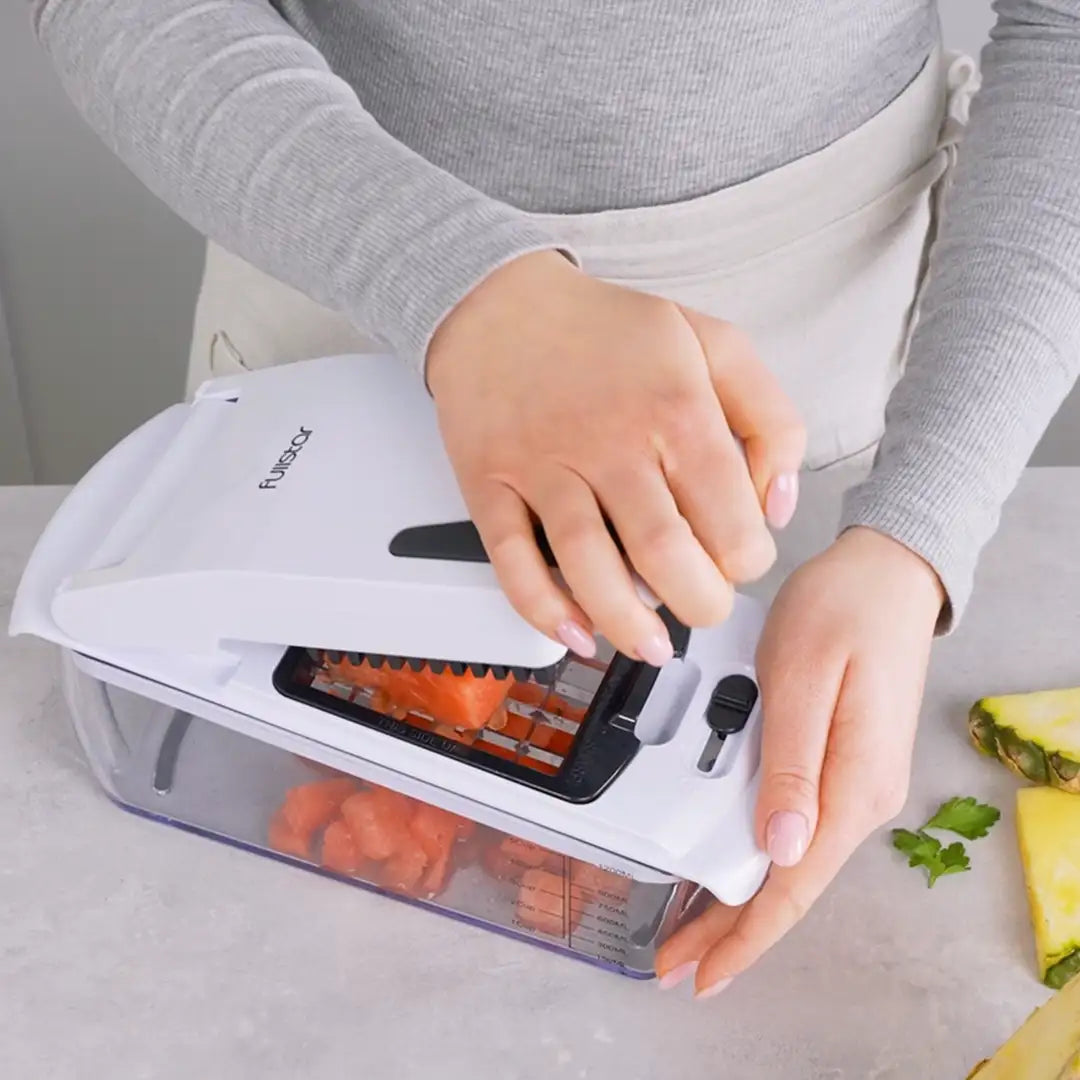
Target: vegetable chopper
278, 628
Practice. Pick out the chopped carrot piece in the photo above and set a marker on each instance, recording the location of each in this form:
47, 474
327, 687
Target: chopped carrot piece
404, 870
390, 801
282, 837
437, 831
438, 874
510, 858
517, 727
466, 828
459, 701
530, 855
379, 821
310, 807
558, 742
339, 850
499, 865
529, 693
597, 883
547, 902
499, 718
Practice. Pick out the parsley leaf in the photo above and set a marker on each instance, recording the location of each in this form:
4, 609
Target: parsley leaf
915, 845
965, 817
925, 851
954, 860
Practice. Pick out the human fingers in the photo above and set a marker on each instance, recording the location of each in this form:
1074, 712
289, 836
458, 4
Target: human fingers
758, 411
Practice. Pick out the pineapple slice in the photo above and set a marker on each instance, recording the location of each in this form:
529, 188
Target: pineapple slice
1048, 824
1047, 1047
1036, 735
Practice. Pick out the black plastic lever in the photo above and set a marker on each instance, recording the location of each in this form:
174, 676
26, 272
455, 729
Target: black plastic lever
459, 541
730, 705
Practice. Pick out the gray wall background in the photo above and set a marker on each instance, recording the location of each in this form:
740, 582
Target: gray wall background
99, 280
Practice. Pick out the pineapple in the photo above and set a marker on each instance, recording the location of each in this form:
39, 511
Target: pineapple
1036, 735
1047, 1047
990, 1070
1048, 824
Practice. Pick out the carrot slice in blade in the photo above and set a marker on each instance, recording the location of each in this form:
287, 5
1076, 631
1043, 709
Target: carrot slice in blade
459, 701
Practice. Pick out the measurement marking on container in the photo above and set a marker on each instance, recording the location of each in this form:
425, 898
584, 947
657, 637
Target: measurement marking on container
614, 909
608, 921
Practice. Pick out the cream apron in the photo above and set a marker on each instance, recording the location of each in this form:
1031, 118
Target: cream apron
822, 262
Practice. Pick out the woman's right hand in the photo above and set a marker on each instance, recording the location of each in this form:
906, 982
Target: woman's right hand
563, 398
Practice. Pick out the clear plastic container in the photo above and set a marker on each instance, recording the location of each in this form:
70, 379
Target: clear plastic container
186, 770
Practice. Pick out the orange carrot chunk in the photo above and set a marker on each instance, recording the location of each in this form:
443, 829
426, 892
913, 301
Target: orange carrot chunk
393, 802
282, 837
459, 701
340, 852
511, 857
499, 865
530, 855
438, 875
404, 870
437, 831
598, 884
547, 902
379, 822
310, 807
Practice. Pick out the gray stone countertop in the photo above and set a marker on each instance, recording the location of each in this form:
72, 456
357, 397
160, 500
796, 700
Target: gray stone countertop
132, 950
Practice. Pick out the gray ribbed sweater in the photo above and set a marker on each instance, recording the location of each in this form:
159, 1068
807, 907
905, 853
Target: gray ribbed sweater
376, 154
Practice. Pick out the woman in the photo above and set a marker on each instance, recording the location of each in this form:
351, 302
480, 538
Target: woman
617, 238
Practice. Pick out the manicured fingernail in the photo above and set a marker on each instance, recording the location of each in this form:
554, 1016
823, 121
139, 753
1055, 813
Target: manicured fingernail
781, 499
657, 651
577, 639
678, 975
787, 837
712, 991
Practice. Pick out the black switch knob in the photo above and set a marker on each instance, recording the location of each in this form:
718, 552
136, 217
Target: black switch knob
730, 705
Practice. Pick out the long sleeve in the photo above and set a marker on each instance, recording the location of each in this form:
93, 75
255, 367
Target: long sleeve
997, 346
240, 126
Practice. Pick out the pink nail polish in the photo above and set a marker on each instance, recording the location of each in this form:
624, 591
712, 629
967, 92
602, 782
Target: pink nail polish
657, 651
678, 975
712, 991
781, 499
787, 837
577, 639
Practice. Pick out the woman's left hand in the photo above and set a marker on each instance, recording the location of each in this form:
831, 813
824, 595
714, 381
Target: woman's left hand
841, 665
